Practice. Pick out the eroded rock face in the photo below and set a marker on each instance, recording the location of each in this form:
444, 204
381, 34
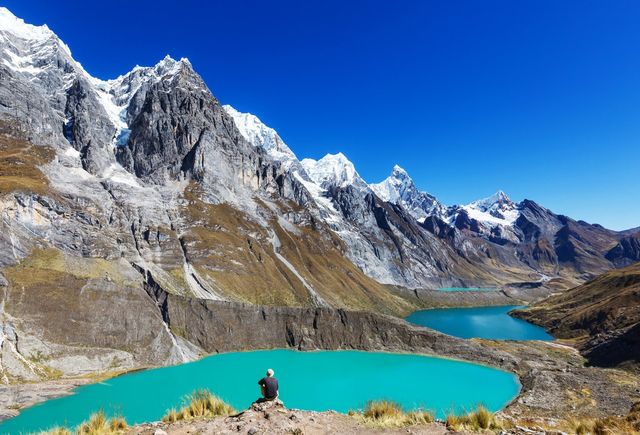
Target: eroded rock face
218, 327
627, 251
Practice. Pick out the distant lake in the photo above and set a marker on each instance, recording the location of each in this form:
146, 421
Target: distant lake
479, 322
323, 380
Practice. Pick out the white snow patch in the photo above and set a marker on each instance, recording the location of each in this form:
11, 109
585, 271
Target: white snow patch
261, 136
497, 209
72, 152
332, 170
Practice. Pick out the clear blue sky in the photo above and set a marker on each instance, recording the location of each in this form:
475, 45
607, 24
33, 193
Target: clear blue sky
538, 98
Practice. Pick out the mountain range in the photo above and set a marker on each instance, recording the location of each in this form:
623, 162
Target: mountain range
112, 189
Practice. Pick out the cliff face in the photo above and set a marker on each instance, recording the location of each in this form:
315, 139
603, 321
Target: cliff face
222, 327
104, 183
601, 315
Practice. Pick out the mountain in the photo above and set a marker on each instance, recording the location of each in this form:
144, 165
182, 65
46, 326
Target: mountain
115, 191
601, 316
261, 136
400, 189
523, 235
626, 251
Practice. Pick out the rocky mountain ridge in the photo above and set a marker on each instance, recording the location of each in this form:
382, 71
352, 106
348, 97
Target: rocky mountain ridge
109, 187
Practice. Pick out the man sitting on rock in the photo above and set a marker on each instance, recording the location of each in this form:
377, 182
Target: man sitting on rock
268, 387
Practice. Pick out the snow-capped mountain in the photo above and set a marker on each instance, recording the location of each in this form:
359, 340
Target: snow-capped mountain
143, 186
400, 189
497, 209
333, 170
141, 138
262, 136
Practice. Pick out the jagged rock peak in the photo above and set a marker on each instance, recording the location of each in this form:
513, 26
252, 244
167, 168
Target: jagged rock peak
400, 189
393, 188
497, 209
260, 135
497, 200
399, 172
167, 65
333, 170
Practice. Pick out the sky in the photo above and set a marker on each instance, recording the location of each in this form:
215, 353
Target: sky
539, 98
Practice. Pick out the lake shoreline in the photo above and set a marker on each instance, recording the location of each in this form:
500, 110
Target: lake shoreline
445, 382
545, 373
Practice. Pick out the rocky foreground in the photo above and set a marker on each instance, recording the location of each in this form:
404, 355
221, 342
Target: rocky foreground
278, 419
274, 418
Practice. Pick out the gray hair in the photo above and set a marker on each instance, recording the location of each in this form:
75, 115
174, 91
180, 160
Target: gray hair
270, 372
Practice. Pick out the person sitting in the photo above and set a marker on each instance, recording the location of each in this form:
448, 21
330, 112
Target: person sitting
269, 386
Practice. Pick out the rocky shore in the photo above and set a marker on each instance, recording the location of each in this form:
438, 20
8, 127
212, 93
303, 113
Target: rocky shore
555, 381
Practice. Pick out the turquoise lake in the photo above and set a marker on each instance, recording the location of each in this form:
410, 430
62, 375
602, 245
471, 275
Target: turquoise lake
479, 322
338, 380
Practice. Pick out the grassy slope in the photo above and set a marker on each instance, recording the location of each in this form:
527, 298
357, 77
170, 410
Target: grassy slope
237, 257
19, 161
602, 316
606, 303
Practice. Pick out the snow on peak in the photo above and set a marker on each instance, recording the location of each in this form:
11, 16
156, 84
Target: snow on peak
393, 187
497, 209
115, 95
332, 170
400, 189
497, 201
29, 49
169, 65
16, 26
261, 136
399, 173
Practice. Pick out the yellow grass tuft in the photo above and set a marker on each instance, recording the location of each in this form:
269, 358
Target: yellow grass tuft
478, 420
385, 413
201, 403
99, 424
602, 426
57, 431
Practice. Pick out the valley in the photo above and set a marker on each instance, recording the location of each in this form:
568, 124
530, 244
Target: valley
148, 229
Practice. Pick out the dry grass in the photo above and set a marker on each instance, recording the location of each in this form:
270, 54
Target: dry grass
584, 425
19, 161
233, 253
200, 404
385, 413
57, 431
629, 425
478, 420
98, 424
